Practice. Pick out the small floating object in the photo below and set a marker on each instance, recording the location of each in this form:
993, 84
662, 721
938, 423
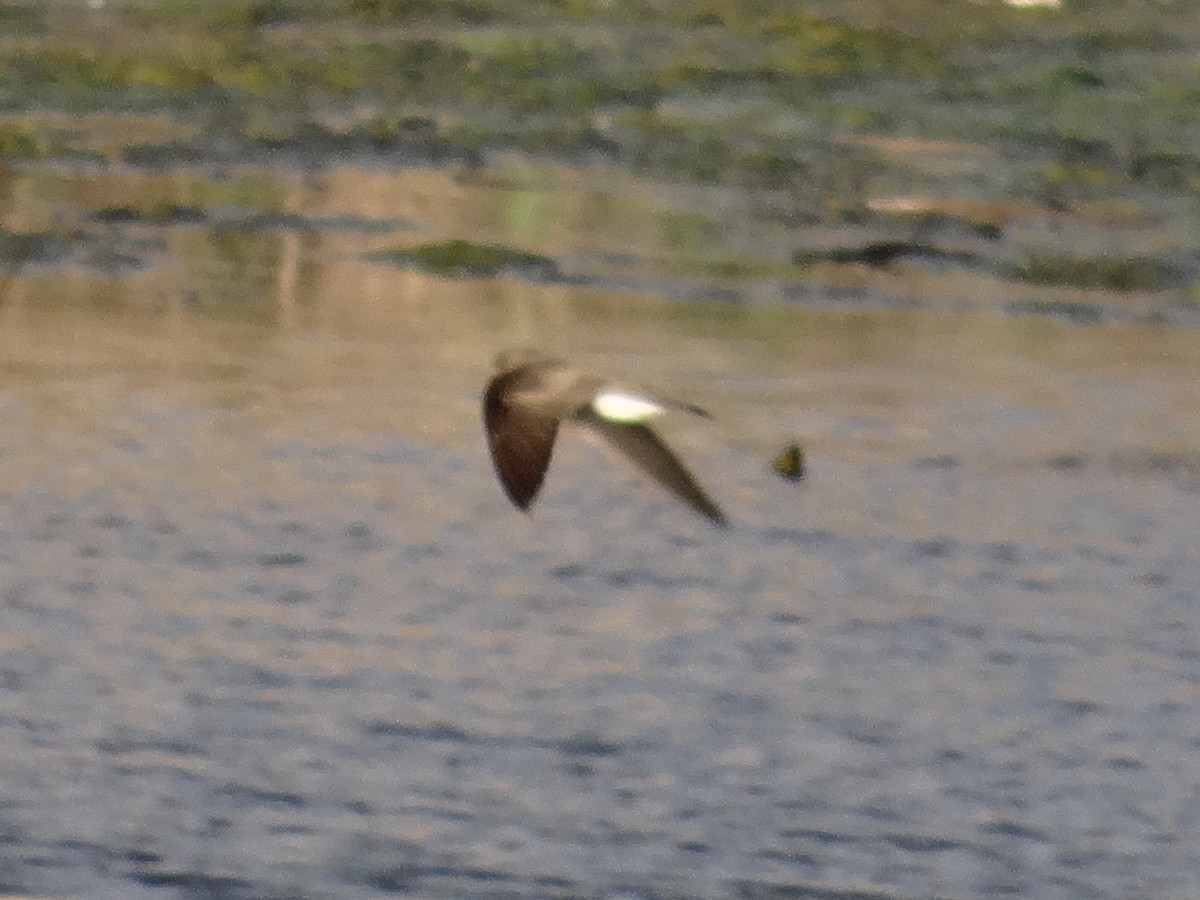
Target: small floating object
789, 463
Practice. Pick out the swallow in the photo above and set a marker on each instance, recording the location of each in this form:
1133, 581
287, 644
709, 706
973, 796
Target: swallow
531, 394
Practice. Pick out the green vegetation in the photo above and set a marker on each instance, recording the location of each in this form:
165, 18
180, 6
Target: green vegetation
1108, 273
19, 142
716, 91
463, 259
812, 111
20, 19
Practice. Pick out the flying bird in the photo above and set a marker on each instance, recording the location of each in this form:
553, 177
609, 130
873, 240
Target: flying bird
531, 394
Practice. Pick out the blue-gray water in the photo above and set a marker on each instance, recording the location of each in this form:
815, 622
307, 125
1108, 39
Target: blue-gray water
270, 628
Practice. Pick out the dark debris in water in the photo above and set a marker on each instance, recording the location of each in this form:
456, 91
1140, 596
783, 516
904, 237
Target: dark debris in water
1184, 464
19, 248
886, 237
885, 252
163, 157
588, 744
100, 251
194, 883
166, 214
409, 141
789, 464
1067, 462
800, 890
437, 731
237, 220
282, 221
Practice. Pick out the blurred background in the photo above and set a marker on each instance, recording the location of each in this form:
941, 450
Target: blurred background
269, 627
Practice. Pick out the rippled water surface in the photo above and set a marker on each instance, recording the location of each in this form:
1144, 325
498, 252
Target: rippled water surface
270, 629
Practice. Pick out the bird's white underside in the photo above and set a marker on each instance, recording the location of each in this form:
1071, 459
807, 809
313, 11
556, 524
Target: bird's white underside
626, 409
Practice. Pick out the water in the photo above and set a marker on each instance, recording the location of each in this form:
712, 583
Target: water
270, 628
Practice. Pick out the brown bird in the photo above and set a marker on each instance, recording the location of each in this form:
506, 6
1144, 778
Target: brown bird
532, 393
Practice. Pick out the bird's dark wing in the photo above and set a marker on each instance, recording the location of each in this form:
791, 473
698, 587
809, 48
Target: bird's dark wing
646, 450
520, 442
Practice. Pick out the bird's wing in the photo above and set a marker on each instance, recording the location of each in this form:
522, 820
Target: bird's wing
520, 442
646, 450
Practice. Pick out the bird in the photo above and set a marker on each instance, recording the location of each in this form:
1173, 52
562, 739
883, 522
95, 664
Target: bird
531, 394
